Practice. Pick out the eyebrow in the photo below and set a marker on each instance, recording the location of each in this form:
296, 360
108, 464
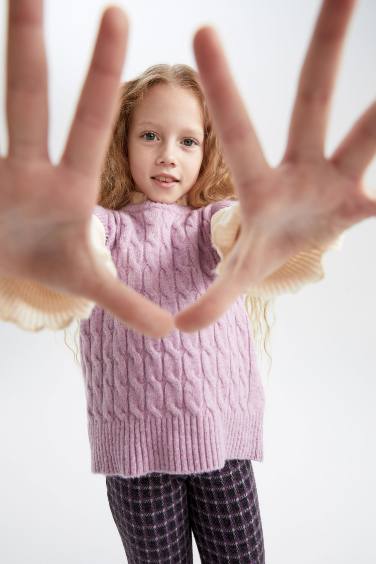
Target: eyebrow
197, 132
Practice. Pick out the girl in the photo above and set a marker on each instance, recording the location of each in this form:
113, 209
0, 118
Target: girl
174, 417
174, 422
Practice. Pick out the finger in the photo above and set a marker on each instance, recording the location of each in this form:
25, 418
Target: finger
367, 206
235, 275
130, 307
358, 148
26, 93
317, 78
210, 306
240, 145
93, 122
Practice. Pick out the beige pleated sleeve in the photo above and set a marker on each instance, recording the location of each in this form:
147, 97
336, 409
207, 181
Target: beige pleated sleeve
303, 268
33, 306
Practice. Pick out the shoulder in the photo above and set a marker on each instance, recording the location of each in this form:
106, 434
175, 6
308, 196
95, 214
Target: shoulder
214, 207
106, 217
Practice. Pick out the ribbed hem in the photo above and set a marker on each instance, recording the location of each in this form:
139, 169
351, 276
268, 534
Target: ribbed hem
184, 444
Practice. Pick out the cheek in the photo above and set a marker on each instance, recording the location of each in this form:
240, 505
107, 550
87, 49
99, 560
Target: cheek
137, 160
130, 155
198, 162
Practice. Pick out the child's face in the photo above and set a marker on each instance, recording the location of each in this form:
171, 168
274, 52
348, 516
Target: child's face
166, 136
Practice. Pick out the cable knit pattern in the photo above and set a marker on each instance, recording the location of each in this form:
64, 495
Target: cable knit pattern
183, 403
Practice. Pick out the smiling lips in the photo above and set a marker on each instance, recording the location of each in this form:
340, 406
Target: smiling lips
165, 180
165, 177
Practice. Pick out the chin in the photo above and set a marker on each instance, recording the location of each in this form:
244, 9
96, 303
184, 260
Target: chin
164, 198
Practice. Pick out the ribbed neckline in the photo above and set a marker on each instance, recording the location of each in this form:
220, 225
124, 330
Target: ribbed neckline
152, 204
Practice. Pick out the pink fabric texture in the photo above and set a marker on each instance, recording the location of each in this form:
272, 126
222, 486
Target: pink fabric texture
181, 404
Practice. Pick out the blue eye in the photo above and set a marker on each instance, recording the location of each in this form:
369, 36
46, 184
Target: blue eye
190, 139
148, 133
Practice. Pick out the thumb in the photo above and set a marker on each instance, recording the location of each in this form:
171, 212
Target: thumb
127, 305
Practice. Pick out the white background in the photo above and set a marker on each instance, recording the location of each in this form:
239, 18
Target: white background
317, 486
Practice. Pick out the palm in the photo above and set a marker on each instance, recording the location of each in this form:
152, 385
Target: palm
294, 207
47, 232
307, 200
45, 210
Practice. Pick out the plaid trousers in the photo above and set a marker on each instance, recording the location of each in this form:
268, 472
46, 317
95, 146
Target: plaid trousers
155, 515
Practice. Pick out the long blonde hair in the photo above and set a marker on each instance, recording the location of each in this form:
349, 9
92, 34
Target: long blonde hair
213, 183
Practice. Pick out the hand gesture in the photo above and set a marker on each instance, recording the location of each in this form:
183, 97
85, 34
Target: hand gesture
307, 200
45, 210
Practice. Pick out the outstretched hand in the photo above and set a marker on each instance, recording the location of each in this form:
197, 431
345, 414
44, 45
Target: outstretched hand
45, 210
307, 200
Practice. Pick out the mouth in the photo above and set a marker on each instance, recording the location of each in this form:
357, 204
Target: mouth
165, 181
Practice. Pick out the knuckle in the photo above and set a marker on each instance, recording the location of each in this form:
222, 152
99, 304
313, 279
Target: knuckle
236, 131
308, 96
88, 118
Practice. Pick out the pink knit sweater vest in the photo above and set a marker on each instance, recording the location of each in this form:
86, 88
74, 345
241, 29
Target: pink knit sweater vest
181, 404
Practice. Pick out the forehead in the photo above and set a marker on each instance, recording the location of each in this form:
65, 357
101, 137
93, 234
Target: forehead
170, 105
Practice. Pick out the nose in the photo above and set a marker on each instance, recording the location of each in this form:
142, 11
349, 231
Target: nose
166, 154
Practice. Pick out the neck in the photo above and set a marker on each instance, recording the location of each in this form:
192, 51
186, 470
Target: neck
139, 197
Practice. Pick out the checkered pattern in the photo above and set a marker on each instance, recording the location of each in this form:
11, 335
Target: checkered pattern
156, 513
